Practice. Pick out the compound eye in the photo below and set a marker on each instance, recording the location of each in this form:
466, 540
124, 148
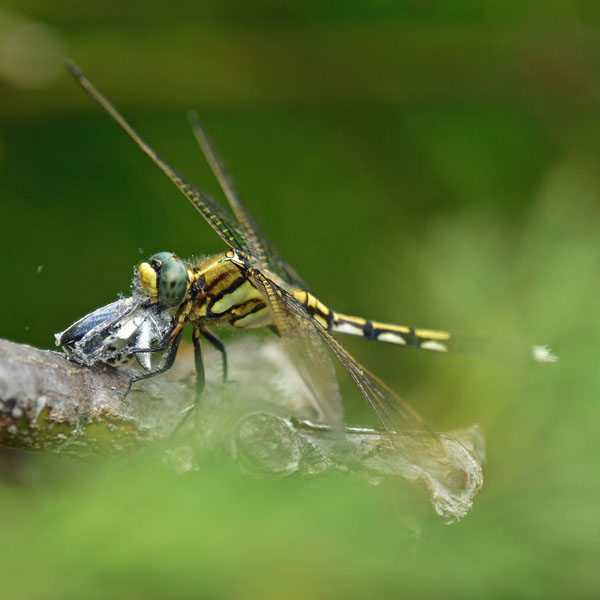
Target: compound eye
172, 282
159, 258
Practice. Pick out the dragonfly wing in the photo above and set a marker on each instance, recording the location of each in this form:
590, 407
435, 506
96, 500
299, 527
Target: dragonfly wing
395, 414
220, 219
445, 467
260, 248
306, 349
292, 320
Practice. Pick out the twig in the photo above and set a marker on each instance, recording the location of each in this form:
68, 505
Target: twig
50, 404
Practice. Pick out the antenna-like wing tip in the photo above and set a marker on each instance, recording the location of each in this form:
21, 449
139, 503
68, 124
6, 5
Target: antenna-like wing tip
542, 354
197, 126
73, 68
193, 118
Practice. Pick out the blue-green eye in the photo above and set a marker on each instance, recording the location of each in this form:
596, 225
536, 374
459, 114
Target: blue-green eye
172, 281
161, 257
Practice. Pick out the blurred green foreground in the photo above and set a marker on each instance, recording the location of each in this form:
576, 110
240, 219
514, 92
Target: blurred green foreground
431, 164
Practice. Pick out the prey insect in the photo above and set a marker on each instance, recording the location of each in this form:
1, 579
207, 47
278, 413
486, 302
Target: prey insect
247, 286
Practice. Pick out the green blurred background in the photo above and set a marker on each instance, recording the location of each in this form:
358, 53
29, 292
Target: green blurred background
421, 162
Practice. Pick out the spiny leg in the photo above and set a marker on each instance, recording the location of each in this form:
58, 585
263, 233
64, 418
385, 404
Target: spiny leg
177, 329
169, 360
219, 346
200, 377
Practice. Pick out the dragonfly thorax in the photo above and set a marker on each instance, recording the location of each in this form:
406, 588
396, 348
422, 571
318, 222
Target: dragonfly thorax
165, 278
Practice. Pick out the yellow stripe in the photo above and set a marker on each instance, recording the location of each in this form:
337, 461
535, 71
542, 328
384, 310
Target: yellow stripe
322, 308
357, 320
320, 320
301, 296
399, 328
311, 302
242, 294
432, 334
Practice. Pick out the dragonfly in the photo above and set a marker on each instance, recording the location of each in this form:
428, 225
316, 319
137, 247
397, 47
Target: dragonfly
247, 286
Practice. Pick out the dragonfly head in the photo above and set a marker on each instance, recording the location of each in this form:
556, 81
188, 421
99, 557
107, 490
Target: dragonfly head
165, 278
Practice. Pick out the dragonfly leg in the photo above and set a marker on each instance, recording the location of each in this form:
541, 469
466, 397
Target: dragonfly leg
218, 345
169, 360
200, 378
167, 340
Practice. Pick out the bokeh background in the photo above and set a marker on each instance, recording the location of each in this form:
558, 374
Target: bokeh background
421, 162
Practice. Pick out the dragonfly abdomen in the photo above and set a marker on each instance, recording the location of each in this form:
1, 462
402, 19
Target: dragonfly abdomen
426, 339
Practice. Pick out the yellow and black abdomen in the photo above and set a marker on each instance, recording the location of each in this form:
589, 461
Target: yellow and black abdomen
409, 337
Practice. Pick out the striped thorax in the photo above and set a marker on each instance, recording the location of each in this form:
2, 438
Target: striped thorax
214, 291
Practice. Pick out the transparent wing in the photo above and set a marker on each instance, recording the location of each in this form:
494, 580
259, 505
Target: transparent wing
293, 322
260, 248
306, 350
219, 218
441, 464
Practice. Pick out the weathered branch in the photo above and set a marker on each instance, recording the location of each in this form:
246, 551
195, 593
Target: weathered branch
51, 404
